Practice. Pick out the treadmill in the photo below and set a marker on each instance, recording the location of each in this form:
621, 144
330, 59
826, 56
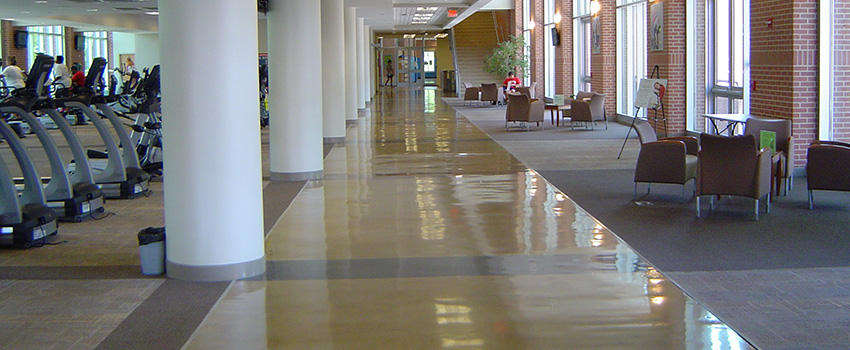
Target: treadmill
29, 220
119, 175
73, 196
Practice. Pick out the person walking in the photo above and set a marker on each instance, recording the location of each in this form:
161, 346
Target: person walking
390, 73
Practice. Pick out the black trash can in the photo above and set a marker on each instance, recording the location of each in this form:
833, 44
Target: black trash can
152, 250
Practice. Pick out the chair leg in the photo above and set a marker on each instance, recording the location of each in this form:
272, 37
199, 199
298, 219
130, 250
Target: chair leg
697, 206
811, 199
634, 197
648, 188
757, 210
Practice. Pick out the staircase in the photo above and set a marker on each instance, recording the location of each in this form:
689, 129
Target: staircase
475, 39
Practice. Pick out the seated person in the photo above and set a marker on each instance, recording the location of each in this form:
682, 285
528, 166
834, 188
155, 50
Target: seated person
14, 76
511, 82
78, 79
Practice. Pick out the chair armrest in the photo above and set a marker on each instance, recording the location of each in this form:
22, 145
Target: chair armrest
690, 142
763, 172
536, 110
837, 143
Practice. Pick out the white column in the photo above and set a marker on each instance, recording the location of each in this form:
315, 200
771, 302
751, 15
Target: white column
370, 59
372, 64
295, 90
213, 194
350, 64
333, 70
361, 63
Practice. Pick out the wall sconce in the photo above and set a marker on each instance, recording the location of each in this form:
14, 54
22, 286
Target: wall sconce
594, 7
531, 24
557, 18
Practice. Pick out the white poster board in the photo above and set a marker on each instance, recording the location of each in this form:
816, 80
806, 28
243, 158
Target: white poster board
650, 92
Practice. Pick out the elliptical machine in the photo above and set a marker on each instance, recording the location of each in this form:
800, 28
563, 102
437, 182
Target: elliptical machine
73, 196
119, 175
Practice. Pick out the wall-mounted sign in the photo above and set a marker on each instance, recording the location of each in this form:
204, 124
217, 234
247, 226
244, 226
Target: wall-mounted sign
451, 12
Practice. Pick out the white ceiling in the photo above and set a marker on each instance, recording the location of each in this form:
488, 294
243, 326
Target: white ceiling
383, 16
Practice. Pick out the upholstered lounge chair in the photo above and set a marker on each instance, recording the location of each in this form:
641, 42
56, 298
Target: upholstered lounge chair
671, 160
471, 93
826, 167
489, 93
784, 143
588, 110
524, 109
733, 166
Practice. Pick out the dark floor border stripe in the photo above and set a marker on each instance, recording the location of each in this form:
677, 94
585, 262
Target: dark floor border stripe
167, 318
508, 265
119, 272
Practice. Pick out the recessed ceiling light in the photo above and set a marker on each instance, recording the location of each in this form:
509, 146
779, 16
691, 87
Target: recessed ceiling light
40, 1
92, 10
153, 13
25, 12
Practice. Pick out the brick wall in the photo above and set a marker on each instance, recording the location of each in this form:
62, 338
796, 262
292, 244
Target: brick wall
603, 65
538, 46
9, 50
841, 72
72, 55
784, 66
672, 64
564, 52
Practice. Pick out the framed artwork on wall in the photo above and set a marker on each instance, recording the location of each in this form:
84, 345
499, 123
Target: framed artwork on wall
656, 27
595, 34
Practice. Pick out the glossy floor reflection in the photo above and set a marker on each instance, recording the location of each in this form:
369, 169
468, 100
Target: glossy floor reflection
425, 234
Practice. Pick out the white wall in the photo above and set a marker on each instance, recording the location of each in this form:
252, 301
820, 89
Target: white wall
122, 44
147, 50
262, 36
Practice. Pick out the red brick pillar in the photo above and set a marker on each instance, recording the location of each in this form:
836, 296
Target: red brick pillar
603, 65
784, 66
841, 72
9, 49
671, 62
72, 55
564, 53
538, 63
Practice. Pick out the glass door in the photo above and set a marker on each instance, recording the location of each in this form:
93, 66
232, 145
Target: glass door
410, 67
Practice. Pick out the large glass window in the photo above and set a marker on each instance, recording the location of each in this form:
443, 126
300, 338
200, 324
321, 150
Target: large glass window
549, 50
631, 52
96, 46
49, 40
526, 35
727, 73
826, 85
581, 42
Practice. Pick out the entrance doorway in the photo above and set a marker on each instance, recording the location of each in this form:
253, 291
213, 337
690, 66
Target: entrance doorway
409, 64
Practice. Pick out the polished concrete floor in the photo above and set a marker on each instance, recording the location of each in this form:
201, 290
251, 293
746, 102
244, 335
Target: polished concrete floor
426, 234
423, 234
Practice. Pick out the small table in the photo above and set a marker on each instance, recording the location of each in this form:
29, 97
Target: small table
732, 122
561, 111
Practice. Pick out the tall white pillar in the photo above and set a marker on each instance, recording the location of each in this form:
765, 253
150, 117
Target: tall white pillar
350, 64
361, 62
333, 70
295, 90
370, 76
373, 64
213, 192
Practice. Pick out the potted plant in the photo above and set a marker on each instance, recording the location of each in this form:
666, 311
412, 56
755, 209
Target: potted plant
508, 56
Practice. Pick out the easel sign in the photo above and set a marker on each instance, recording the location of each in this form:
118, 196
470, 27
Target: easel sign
650, 93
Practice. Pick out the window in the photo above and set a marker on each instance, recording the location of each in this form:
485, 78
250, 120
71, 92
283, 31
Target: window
727, 45
49, 40
96, 46
631, 52
526, 36
581, 32
827, 92
549, 49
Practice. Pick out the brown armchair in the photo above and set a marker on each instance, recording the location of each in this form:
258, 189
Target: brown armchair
784, 143
490, 92
671, 160
826, 167
588, 111
471, 93
733, 166
524, 109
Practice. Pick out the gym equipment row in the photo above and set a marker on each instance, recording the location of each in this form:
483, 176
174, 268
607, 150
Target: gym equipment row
29, 211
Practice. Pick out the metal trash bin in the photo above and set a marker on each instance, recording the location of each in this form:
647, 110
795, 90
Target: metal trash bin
152, 250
